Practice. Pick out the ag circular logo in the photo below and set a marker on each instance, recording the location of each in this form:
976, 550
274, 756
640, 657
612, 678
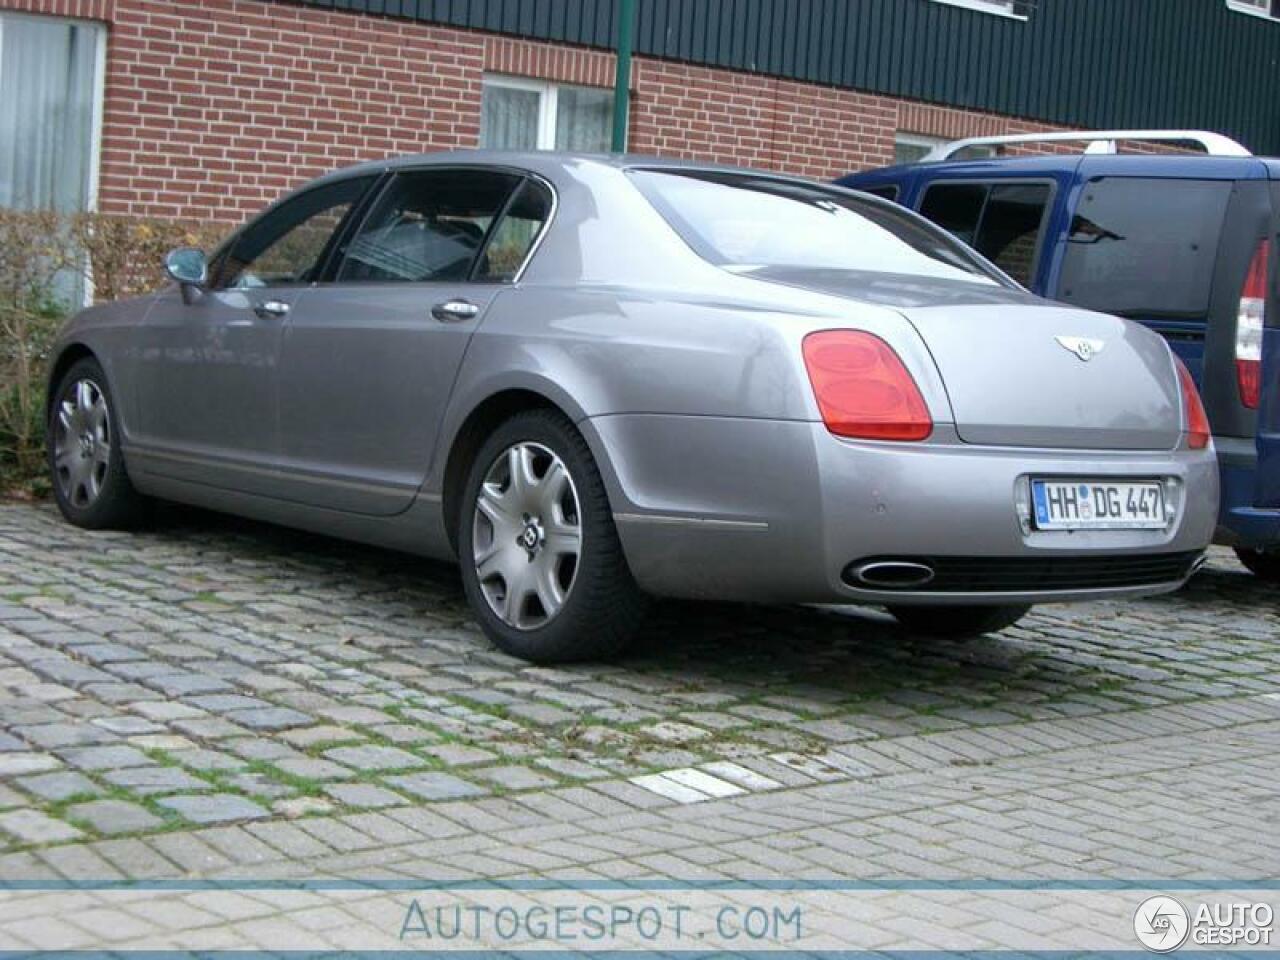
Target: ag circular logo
1161, 924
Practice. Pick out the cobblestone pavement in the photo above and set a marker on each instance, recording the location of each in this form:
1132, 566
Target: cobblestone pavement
215, 698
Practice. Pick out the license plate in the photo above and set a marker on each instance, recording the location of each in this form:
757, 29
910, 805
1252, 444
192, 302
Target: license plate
1097, 505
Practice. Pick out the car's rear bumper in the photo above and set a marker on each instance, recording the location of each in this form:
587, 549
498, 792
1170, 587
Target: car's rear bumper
779, 510
1240, 523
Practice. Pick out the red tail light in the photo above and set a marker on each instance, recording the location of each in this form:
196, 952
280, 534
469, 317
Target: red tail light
1195, 420
1249, 324
862, 388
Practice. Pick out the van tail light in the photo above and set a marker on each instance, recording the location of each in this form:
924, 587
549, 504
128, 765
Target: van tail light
862, 388
1194, 418
1249, 324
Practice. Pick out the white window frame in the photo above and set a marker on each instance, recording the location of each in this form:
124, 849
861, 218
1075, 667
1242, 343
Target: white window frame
548, 103
1240, 6
985, 6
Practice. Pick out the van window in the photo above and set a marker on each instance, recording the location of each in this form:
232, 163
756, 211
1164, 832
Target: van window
1144, 247
1001, 220
888, 190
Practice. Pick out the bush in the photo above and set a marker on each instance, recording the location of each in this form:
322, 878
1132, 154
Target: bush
46, 261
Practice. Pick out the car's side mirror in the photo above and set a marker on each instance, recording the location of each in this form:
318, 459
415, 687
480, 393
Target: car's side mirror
189, 268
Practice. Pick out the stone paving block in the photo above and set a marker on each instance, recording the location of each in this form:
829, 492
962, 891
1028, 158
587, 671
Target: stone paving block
213, 808
319, 735
105, 758
459, 755
540, 714
17, 764
59, 785
364, 795
32, 826
436, 786
371, 757
312, 768
513, 777
53, 736
148, 781
270, 718
114, 816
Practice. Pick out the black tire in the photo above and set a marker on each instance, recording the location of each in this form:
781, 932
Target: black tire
1264, 564
958, 622
603, 607
116, 505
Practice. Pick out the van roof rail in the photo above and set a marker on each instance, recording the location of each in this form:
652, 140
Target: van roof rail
1099, 141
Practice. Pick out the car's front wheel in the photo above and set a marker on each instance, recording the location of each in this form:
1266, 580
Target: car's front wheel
541, 561
86, 464
958, 622
1264, 564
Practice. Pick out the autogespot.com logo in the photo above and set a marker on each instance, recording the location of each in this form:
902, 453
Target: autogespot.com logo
1161, 923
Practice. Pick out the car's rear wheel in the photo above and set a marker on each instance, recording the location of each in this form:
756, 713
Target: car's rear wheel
1261, 563
958, 622
541, 561
86, 465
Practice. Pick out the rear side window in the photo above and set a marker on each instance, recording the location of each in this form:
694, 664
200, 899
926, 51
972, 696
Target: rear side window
1003, 221
512, 240
1144, 247
427, 226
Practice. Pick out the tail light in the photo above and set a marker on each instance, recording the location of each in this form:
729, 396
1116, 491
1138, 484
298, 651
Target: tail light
1194, 418
1249, 324
862, 388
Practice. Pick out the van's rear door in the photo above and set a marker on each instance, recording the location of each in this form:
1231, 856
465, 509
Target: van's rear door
1268, 474
1173, 252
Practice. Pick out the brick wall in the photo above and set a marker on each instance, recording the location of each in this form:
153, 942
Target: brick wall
215, 107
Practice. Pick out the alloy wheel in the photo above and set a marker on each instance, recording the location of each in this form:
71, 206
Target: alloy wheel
82, 443
527, 535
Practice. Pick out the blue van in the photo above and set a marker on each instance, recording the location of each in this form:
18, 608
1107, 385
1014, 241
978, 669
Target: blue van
1183, 242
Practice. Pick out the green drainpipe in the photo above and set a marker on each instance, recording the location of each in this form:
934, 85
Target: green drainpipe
622, 79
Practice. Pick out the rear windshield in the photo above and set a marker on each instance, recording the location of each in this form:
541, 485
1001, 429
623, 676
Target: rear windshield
743, 222
1144, 247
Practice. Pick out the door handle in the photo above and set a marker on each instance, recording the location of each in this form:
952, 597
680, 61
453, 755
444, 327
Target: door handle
271, 309
455, 311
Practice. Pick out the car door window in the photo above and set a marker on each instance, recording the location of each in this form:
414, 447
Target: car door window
428, 225
513, 238
956, 207
287, 245
1002, 221
1009, 232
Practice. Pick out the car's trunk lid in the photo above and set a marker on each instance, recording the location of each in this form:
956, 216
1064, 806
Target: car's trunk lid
1044, 376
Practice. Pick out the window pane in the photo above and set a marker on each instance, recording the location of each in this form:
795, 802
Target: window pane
750, 223
955, 207
427, 226
509, 118
909, 152
1145, 247
47, 71
1010, 227
285, 246
515, 234
584, 119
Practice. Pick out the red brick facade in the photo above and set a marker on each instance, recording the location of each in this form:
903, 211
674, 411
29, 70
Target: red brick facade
215, 107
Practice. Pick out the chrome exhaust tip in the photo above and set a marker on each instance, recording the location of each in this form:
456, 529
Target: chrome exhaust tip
892, 574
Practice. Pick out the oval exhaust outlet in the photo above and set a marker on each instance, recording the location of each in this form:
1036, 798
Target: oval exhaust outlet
893, 574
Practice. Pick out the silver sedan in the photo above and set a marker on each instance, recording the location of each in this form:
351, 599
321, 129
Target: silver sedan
595, 380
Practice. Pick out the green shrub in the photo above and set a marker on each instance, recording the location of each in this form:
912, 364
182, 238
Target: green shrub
47, 260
